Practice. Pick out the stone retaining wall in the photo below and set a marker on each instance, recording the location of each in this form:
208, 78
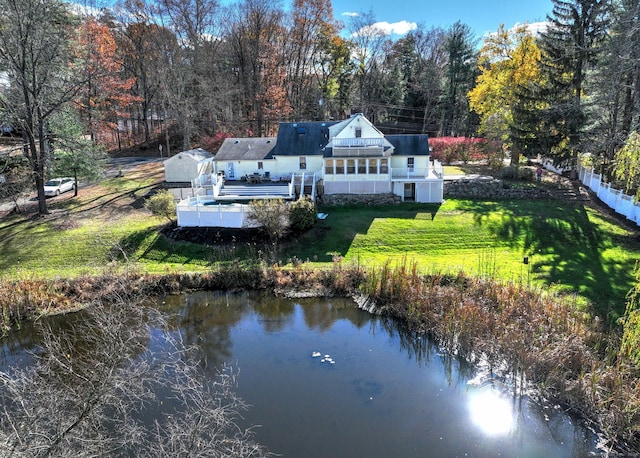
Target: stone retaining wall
480, 187
359, 199
490, 188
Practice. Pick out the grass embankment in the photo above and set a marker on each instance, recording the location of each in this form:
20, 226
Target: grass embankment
573, 248
106, 225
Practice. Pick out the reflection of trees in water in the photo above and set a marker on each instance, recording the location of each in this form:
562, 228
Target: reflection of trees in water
273, 312
206, 318
417, 346
95, 378
322, 313
422, 349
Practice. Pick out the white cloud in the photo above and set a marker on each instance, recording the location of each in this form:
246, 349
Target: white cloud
534, 28
386, 28
398, 28
350, 14
537, 28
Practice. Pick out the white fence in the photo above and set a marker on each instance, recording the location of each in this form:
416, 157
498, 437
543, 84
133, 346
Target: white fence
206, 212
614, 198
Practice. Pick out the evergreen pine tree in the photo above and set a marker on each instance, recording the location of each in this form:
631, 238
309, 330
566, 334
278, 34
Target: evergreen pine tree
570, 47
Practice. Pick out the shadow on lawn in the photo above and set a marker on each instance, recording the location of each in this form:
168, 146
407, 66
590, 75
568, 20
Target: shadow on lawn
159, 248
334, 236
563, 247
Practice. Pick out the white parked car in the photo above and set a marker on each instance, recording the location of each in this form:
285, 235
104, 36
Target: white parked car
56, 186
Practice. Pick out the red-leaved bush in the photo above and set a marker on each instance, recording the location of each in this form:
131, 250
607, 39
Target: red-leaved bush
452, 149
212, 144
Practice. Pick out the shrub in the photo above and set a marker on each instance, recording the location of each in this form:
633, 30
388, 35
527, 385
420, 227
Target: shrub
272, 215
162, 204
517, 173
302, 214
494, 152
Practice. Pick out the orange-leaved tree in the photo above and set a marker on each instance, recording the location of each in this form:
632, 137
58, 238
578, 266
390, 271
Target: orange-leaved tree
106, 97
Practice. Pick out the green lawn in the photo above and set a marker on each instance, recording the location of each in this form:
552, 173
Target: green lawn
568, 247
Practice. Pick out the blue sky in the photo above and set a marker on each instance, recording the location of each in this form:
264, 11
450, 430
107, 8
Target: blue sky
482, 16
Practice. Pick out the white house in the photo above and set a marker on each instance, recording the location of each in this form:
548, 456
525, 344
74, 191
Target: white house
330, 158
188, 165
346, 157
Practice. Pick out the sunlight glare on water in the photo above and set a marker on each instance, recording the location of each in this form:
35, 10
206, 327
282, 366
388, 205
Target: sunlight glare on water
491, 412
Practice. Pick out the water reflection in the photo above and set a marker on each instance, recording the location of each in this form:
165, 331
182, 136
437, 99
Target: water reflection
491, 411
389, 391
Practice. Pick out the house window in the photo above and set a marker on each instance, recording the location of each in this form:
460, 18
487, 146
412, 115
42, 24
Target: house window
260, 165
358, 132
373, 166
303, 162
384, 165
339, 166
328, 167
351, 166
410, 164
362, 166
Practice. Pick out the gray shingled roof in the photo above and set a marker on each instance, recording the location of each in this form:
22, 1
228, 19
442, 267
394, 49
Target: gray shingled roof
197, 154
307, 139
302, 138
248, 149
409, 144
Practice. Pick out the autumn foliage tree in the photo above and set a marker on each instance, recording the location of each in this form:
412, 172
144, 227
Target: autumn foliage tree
254, 31
309, 44
106, 95
509, 59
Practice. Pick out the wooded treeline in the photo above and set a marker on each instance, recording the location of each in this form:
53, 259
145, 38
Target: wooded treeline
172, 74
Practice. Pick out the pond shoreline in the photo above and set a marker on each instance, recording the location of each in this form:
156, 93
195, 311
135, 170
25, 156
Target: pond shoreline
531, 335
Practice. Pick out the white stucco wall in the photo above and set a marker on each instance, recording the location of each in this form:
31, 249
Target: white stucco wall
183, 168
279, 167
242, 168
289, 164
400, 162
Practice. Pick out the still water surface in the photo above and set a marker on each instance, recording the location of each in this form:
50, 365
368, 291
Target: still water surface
388, 393
325, 379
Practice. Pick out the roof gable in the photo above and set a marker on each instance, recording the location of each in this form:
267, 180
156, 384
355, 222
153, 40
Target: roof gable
348, 128
196, 155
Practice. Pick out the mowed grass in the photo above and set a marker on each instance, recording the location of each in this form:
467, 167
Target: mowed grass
568, 247
106, 226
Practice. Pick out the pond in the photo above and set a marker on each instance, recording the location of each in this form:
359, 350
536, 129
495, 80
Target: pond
323, 378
